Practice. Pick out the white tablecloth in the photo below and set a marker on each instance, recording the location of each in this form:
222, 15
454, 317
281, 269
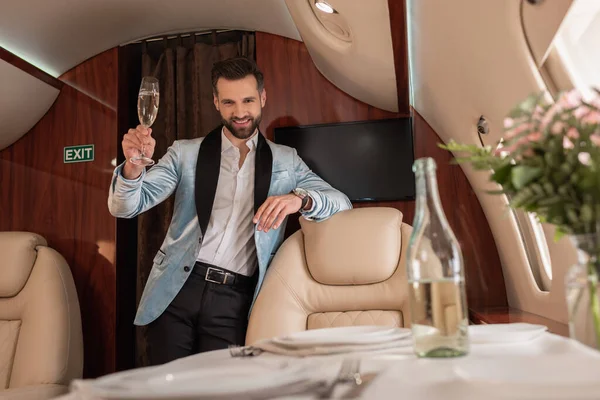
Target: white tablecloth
548, 367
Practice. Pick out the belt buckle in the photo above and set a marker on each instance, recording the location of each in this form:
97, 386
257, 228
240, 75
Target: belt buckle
223, 274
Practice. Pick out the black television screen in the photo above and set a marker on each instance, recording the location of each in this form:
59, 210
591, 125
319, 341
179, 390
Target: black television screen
368, 161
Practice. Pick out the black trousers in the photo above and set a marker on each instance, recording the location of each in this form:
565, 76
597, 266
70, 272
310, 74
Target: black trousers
204, 315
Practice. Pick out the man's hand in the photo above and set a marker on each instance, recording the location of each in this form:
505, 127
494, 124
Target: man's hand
274, 210
133, 142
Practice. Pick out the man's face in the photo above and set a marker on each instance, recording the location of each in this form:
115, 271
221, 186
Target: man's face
240, 104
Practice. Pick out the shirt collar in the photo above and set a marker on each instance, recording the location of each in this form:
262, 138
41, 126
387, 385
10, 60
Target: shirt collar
226, 143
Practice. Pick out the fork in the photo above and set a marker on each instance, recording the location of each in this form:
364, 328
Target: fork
349, 372
243, 351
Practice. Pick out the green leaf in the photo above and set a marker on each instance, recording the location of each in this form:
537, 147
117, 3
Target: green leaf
537, 188
549, 188
558, 234
495, 192
572, 216
550, 201
587, 213
502, 174
522, 175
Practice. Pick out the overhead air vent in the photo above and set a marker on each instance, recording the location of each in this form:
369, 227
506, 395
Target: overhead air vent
333, 21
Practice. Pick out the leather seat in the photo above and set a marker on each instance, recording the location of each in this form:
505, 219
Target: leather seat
347, 270
41, 344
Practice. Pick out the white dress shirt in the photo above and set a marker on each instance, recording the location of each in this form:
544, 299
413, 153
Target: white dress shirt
229, 239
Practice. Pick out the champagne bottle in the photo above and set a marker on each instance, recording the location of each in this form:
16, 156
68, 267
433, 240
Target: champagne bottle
435, 270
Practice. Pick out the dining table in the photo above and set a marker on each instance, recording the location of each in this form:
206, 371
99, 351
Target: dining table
505, 361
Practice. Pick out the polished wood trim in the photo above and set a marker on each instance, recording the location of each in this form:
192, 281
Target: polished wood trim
90, 77
399, 31
30, 69
483, 269
505, 315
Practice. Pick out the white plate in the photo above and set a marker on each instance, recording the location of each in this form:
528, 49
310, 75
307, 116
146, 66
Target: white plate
223, 379
504, 333
346, 335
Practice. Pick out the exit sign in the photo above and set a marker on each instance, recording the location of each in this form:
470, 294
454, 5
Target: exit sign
73, 154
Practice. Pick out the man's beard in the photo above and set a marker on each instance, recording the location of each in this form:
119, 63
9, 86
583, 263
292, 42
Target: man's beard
242, 132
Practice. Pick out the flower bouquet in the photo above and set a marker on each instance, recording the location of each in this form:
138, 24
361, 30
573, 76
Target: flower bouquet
548, 163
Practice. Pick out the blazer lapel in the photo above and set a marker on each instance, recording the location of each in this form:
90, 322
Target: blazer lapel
208, 167
263, 168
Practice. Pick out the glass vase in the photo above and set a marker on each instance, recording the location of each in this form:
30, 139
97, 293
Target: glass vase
582, 288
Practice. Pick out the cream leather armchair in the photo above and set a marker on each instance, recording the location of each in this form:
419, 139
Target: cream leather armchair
41, 344
347, 270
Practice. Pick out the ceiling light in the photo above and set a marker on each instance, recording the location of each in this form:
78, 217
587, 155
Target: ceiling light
325, 7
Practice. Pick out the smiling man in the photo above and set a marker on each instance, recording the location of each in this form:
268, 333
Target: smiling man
233, 193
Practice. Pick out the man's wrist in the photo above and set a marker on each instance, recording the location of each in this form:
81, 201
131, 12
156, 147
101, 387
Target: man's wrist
305, 197
309, 204
131, 171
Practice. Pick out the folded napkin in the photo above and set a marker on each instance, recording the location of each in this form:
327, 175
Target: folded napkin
269, 346
85, 390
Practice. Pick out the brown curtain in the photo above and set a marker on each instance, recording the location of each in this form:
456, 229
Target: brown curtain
186, 111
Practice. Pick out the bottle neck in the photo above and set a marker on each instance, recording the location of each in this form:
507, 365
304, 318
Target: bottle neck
428, 198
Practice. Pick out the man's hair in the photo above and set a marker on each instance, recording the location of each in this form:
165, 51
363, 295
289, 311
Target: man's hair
234, 69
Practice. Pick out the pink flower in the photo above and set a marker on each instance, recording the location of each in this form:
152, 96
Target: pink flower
534, 137
503, 149
517, 130
508, 123
558, 127
593, 117
570, 99
549, 116
596, 101
595, 138
580, 112
538, 113
567, 144
584, 158
573, 133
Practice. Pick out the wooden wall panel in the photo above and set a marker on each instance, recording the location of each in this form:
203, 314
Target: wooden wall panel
66, 203
399, 30
483, 270
297, 94
96, 77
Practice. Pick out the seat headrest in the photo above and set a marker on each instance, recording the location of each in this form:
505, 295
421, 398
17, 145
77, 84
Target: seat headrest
18, 251
354, 247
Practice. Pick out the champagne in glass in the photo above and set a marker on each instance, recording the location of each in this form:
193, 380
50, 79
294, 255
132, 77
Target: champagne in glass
147, 107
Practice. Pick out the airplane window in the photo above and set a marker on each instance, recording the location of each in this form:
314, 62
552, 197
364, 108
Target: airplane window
536, 248
578, 46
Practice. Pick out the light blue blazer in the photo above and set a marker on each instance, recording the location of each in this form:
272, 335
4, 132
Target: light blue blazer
190, 168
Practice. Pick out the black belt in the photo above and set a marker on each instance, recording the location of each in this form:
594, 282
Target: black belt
214, 274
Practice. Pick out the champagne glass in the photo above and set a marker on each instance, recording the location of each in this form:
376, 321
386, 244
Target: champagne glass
147, 108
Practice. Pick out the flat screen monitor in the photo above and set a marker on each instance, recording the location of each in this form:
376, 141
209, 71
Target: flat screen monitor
368, 160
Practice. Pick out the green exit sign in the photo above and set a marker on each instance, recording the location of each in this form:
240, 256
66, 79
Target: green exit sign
73, 154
